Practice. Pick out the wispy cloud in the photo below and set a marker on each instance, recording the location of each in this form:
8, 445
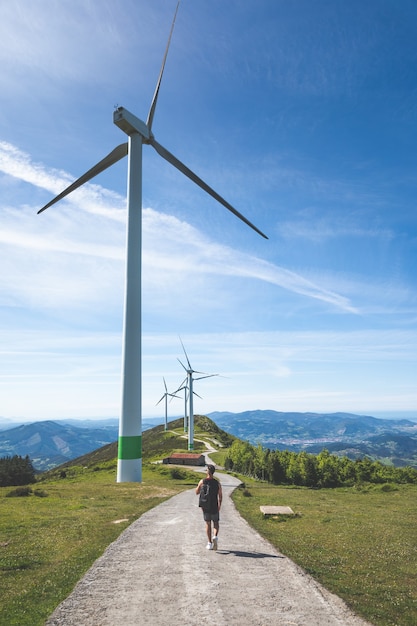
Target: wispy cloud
91, 198
164, 236
302, 371
320, 229
41, 39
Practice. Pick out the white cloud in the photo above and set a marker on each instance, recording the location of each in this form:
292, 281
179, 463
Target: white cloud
201, 255
172, 248
54, 40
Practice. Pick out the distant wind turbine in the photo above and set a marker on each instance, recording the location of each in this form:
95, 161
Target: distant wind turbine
165, 397
129, 466
191, 393
184, 387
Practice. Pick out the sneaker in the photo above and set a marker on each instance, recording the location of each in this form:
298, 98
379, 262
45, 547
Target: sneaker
209, 546
215, 543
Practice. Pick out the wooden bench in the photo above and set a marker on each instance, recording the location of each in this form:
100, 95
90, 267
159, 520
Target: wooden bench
276, 510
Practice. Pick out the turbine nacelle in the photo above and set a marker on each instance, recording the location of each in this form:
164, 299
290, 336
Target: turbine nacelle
130, 124
189, 369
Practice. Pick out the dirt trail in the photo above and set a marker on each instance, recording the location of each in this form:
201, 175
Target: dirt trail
159, 573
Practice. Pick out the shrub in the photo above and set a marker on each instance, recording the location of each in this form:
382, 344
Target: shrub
19, 492
388, 487
41, 493
177, 473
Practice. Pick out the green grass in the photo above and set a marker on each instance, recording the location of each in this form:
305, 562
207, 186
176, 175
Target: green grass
48, 543
219, 457
361, 545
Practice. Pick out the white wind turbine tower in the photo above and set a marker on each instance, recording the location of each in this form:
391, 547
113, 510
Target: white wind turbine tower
165, 397
184, 387
191, 393
129, 466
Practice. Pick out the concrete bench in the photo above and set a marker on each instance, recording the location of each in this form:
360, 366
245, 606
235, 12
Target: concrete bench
276, 510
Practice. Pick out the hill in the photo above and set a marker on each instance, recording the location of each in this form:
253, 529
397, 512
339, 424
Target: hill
49, 443
158, 443
345, 434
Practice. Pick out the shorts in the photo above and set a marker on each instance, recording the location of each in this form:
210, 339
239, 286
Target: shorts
211, 517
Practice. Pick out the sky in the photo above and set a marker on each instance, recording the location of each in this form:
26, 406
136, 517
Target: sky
303, 115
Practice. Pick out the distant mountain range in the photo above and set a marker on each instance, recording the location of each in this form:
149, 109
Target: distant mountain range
385, 440
51, 443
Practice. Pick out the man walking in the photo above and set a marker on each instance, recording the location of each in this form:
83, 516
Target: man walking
210, 491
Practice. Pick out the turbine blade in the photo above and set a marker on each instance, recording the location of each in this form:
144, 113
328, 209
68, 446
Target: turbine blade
186, 356
165, 154
160, 399
184, 384
112, 158
151, 113
182, 365
207, 376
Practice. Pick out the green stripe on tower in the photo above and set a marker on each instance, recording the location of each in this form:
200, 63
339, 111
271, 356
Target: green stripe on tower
130, 448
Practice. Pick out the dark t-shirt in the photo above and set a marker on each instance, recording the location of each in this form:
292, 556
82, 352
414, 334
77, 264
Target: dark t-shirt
213, 503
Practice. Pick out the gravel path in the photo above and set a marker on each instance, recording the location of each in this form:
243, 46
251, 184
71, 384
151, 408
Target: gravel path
159, 573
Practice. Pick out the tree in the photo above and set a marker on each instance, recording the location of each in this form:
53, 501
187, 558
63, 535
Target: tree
327, 470
277, 470
363, 469
308, 470
295, 470
16, 471
259, 462
240, 457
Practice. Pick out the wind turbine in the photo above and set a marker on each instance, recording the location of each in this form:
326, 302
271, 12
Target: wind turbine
190, 380
129, 466
165, 397
184, 387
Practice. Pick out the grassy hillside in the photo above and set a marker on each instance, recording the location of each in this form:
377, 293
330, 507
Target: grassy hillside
157, 444
360, 544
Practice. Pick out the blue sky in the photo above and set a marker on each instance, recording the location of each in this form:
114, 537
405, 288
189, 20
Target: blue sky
302, 114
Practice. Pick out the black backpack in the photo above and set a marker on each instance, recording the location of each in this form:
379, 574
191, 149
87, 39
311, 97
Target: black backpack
208, 493
204, 495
